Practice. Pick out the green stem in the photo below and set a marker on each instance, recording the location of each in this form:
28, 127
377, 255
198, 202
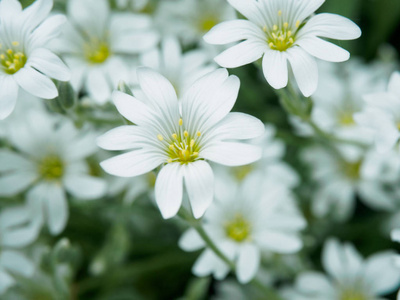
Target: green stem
268, 293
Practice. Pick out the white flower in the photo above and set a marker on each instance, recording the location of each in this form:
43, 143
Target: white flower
382, 115
257, 216
181, 140
51, 159
136, 5
349, 276
191, 19
339, 97
96, 41
182, 70
340, 179
25, 61
16, 231
282, 31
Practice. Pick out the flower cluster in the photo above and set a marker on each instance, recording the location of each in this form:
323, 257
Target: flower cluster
130, 157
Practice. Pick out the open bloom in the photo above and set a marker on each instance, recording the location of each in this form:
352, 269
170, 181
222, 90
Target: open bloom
349, 276
25, 61
258, 216
50, 159
382, 115
282, 31
95, 43
181, 138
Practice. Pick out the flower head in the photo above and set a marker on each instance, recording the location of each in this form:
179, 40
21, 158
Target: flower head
50, 161
96, 42
25, 61
282, 31
257, 217
181, 138
381, 115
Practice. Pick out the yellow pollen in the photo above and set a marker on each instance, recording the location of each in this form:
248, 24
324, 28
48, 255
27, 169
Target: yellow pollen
96, 51
238, 229
2, 56
12, 61
174, 136
281, 37
298, 23
51, 168
171, 147
198, 133
169, 160
275, 27
289, 33
286, 25
15, 43
8, 63
265, 28
186, 134
192, 143
279, 13
9, 51
180, 122
195, 154
160, 137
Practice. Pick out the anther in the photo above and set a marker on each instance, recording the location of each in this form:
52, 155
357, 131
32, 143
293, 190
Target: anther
279, 13
198, 133
286, 24
160, 137
15, 43
9, 51
298, 23
180, 122
172, 147
275, 27
186, 134
2, 56
192, 143
169, 160
174, 136
265, 28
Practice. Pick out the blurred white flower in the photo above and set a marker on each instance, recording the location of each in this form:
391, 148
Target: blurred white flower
257, 215
51, 159
181, 139
382, 115
25, 61
96, 42
349, 276
14, 234
282, 31
191, 19
340, 179
182, 70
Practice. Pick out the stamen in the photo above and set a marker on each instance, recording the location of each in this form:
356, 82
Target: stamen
160, 137
175, 136
275, 27
279, 13
286, 25
298, 23
180, 122
186, 134
198, 133
15, 43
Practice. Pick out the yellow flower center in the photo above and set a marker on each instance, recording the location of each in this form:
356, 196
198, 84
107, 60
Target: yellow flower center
181, 146
97, 51
282, 35
51, 168
352, 170
346, 119
241, 172
238, 229
12, 59
352, 295
207, 23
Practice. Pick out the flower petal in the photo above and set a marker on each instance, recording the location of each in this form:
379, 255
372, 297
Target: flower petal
8, 96
47, 31
133, 163
241, 54
14, 183
233, 31
248, 263
305, 70
36, 83
250, 9
169, 189
49, 64
191, 241
10, 161
35, 13
323, 50
280, 242
123, 138
84, 186
199, 180
275, 68
98, 86
238, 126
134, 110
331, 26
231, 154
